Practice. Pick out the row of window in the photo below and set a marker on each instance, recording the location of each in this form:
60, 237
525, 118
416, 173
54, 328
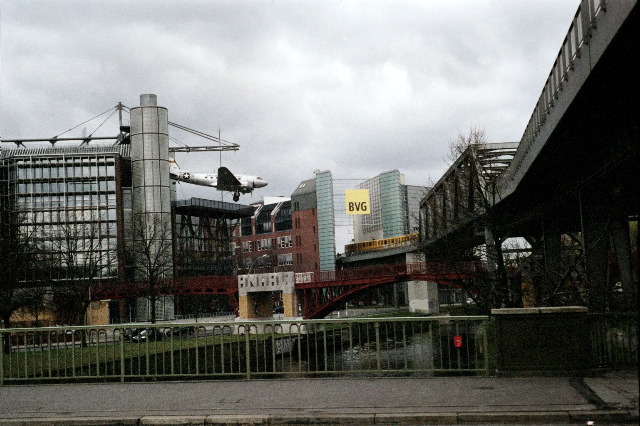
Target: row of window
266, 244
66, 187
67, 201
70, 216
284, 259
82, 249
85, 168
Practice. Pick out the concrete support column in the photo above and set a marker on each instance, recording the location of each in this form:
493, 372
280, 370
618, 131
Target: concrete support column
290, 304
595, 215
423, 297
243, 306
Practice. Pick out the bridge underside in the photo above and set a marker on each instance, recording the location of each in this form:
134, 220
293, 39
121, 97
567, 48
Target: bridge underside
585, 179
209, 285
590, 160
319, 300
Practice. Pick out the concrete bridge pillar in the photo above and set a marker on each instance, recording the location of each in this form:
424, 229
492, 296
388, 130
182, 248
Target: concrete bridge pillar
605, 226
423, 297
256, 305
290, 304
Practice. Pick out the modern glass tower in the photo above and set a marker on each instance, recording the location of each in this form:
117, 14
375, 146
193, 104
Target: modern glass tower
326, 221
394, 208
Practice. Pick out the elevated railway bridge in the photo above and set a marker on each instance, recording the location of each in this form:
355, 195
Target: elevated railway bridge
574, 173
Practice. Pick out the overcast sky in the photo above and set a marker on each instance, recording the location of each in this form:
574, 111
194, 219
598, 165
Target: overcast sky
355, 87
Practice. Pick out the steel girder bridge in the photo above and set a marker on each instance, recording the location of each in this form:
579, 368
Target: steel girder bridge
321, 295
318, 293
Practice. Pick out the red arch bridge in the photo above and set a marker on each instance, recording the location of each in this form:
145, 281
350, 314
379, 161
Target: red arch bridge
319, 293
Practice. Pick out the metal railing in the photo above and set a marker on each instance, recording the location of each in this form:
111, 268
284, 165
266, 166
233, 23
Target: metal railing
614, 340
246, 349
422, 346
431, 267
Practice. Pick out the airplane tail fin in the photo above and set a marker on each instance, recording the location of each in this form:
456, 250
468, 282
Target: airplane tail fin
173, 166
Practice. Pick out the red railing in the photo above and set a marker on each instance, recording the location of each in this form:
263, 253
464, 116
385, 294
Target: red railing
447, 270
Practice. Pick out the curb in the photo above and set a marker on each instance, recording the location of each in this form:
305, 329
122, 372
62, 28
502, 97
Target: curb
552, 417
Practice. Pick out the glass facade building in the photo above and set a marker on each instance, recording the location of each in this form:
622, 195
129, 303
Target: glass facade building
66, 202
394, 210
326, 221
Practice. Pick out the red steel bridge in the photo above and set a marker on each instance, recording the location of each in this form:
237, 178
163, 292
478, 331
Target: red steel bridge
318, 293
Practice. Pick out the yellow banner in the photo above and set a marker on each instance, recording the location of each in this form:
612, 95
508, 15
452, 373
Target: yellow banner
357, 201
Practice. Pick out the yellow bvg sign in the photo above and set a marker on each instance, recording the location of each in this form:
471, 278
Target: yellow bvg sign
357, 201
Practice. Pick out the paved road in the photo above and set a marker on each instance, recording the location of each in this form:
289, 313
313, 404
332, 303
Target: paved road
451, 400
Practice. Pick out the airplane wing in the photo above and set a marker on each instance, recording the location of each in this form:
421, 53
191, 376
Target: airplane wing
226, 178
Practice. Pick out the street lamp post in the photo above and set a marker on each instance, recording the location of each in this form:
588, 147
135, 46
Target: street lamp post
90, 307
255, 261
250, 268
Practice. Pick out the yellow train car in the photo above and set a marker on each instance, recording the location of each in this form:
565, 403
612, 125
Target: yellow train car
383, 244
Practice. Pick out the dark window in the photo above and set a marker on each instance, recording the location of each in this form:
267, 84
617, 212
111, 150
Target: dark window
246, 226
283, 218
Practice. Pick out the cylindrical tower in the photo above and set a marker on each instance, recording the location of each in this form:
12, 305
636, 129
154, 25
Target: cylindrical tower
151, 190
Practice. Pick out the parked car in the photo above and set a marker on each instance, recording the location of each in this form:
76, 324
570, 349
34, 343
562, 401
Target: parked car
148, 334
130, 333
183, 331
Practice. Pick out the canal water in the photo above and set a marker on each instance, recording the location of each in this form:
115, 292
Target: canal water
413, 355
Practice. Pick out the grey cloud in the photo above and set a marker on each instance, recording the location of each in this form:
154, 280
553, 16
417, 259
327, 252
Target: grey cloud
358, 87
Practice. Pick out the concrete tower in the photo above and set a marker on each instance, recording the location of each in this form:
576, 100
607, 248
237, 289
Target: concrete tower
151, 191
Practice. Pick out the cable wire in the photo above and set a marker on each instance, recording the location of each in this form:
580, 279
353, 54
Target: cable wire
84, 122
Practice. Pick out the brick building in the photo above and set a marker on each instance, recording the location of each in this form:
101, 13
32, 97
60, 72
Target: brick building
296, 234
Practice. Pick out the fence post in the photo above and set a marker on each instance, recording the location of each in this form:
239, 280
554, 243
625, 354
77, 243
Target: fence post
122, 356
378, 348
485, 342
247, 351
2, 345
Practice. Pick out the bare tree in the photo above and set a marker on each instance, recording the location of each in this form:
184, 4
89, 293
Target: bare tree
18, 262
81, 257
19, 265
474, 194
152, 254
36, 301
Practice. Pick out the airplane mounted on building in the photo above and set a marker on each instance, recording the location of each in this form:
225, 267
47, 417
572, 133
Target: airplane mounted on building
223, 181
